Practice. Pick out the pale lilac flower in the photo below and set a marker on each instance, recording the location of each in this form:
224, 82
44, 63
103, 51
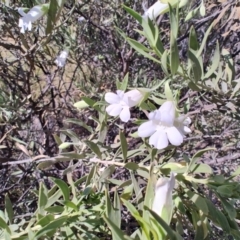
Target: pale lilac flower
121, 102
25, 22
163, 195
163, 127
155, 10
61, 59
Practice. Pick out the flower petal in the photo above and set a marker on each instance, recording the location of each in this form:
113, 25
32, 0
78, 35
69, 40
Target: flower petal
155, 116
155, 10
159, 139
186, 129
35, 13
21, 12
125, 114
112, 98
147, 129
163, 194
120, 93
134, 96
114, 109
167, 111
174, 136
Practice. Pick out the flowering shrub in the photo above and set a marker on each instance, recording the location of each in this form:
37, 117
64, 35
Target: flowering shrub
167, 190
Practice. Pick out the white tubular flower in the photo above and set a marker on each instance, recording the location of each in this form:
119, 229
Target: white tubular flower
121, 102
163, 127
61, 59
182, 123
163, 195
25, 23
155, 10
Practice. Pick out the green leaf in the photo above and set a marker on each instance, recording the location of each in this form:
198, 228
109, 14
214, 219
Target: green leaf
138, 192
81, 104
196, 156
164, 61
117, 209
55, 209
171, 234
201, 168
215, 62
53, 226
198, 226
117, 234
204, 41
198, 201
70, 204
141, 49
146, 228
51, 16
107, 173
131, 166
191, 14
94, 147
65, 145
8, 209
193, 42
229, 208
42, 198
168, 92
195, 66
4, 225
90, 175
217, 216
202, 9
174, 55
225, 190
133, 13
45, 220
124, 145
91, 103
63, 187
79, 123
124, 83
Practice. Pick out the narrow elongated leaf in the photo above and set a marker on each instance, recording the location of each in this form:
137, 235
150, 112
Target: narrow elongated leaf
79, 123
124, 145
8, 208
51, 16
124, 83
204, 41
215, 62
198, 227
196, 67
116, 232
94, 147
133, 14
217, 216
42, 199
141, 49
63, 187
197, 156
138, 192
198, 201
55, 224
193, 42
171, 234
117, 209
91, 175
230, 209
4, 225
174, 55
